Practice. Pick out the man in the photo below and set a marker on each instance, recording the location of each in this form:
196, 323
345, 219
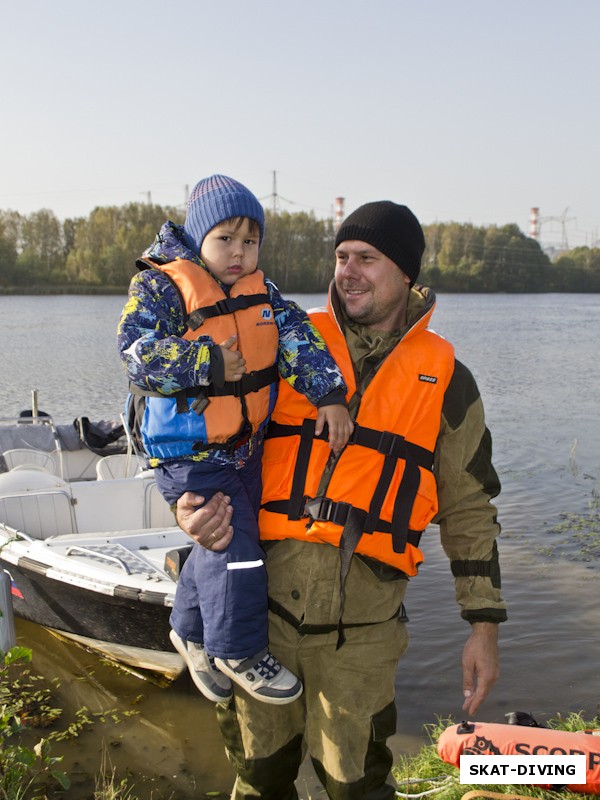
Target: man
342, 533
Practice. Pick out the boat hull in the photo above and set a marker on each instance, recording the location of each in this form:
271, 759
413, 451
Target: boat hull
128, 626
72, 609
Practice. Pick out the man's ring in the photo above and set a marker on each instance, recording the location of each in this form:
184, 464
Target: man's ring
213, 535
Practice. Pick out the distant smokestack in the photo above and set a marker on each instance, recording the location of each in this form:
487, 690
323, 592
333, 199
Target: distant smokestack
339, 212
534, 224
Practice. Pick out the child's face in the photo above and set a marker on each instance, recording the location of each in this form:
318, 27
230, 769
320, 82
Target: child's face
229, 254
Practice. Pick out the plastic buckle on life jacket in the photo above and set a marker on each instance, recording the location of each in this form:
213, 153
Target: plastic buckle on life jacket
317, 507
389, 443
199, 403
222, 307
195, 319
323, 509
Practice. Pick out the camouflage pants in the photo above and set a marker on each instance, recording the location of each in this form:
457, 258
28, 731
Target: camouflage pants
343, 718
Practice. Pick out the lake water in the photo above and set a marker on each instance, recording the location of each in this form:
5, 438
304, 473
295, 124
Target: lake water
535, 358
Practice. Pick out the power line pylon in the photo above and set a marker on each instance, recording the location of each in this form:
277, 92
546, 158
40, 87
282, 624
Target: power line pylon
563, 219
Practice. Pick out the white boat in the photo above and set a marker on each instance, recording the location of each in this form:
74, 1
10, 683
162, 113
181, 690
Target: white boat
70, 451
95, 560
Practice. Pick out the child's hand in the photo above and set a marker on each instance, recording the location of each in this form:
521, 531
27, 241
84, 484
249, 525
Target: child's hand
235, 366
339, 423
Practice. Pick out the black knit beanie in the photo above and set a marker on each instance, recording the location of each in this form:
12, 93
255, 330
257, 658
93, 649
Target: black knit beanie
392, 229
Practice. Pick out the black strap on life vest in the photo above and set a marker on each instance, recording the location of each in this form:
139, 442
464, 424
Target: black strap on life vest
322, 509
297, 495
250, 382
393, 447
227, 305
230, 445
356, 521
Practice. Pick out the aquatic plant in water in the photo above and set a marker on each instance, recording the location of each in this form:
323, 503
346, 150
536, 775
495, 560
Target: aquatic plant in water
24, 771
30, 772
577, 537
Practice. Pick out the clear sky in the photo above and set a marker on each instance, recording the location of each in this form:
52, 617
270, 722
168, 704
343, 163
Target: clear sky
465, 110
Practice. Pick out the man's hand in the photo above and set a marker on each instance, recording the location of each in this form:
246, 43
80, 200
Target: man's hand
339, 423
234, 364
480, 665
209, 525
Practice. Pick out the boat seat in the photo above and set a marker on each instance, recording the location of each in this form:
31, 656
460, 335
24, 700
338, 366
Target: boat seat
121, 465
25, 456
109, 505
28, 467
157, 511
119, 505
39, 515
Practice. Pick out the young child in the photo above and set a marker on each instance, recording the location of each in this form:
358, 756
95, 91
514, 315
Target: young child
205, 336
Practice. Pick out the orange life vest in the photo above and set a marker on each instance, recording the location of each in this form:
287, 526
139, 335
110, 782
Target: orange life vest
238, 406
383, 480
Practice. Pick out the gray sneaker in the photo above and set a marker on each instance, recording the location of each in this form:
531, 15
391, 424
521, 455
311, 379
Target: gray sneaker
212, 683
263, 676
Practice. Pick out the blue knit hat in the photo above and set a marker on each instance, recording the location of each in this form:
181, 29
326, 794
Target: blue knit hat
214, 200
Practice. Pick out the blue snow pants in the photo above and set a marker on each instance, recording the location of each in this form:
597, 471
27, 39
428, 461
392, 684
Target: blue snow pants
221, 598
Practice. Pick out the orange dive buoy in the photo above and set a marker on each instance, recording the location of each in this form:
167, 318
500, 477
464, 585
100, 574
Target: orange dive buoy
488, 738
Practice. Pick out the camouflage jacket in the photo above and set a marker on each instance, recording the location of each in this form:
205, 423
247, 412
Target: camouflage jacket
157, 358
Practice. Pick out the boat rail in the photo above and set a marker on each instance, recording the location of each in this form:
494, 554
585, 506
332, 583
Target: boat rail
96, 554
16, 533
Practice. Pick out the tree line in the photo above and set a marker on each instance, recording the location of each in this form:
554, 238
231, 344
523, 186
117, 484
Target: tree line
39, 253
